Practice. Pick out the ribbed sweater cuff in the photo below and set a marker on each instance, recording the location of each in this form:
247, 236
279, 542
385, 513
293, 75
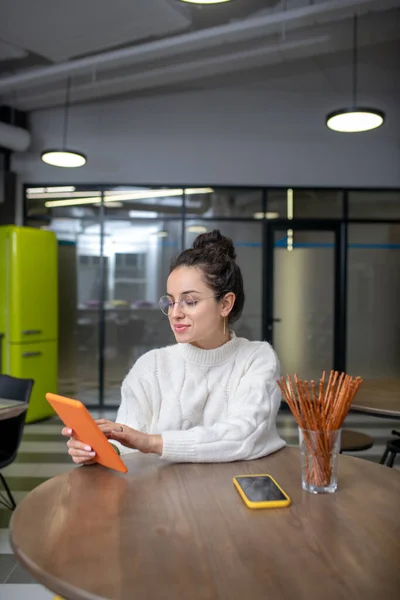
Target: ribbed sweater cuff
179, 446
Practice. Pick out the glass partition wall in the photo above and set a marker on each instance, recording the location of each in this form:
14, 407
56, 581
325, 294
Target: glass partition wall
321, 271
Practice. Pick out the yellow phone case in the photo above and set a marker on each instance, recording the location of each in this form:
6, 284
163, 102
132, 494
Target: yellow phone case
267, 504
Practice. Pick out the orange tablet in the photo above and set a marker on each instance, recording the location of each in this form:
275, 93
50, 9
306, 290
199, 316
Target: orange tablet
76, 416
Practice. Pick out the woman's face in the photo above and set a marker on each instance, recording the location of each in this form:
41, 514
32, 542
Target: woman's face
200, 322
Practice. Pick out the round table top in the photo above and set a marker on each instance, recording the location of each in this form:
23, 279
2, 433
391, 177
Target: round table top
378, 397
173, 531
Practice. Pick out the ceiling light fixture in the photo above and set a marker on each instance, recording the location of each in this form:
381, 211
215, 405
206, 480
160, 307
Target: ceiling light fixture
142, 214
42, 190
64, 157
205, 1
73, 202
156, 193
355, 119
59, 195
196, 229
111, 198
267, 215
64, 188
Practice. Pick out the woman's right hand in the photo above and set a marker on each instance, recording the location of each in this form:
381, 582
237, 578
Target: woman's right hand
81, 453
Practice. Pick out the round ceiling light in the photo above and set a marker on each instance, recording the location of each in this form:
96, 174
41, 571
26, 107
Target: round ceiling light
64, 158
205, 1
353, 120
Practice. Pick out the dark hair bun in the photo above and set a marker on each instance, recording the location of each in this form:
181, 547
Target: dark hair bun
214, 240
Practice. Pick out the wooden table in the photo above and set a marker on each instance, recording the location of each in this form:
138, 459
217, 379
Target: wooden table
378, 397
181, 531
11, 408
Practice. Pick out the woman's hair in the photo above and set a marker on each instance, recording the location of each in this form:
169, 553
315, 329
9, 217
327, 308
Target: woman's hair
215, 255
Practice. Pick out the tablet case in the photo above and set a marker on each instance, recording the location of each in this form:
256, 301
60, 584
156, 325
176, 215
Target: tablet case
75, 415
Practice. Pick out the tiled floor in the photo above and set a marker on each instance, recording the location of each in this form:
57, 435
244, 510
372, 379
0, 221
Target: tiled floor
43, 454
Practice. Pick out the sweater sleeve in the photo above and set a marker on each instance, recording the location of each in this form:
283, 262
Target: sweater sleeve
249, 429
135, 408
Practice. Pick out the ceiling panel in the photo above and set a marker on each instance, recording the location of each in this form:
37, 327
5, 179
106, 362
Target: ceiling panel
322, 66
63, 30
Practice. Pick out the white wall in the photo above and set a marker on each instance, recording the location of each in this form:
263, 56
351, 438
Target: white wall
224, 137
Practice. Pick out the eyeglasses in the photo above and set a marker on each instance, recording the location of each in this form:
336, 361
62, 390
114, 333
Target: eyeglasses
186, 303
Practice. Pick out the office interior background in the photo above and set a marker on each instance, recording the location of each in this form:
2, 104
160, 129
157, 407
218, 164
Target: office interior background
114, 262
192, 119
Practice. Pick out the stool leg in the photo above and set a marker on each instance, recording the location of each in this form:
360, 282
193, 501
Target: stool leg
9, 502
384, 457
391, 459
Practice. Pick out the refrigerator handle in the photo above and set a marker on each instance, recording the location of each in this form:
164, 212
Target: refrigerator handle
31, 332
1, 347
31, 354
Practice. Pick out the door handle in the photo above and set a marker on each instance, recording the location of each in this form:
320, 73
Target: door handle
31, 354
31, 331
271, 321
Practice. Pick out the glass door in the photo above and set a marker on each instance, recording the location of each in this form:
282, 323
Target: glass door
304, 292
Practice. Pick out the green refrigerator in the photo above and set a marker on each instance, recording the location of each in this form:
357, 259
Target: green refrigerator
28, 312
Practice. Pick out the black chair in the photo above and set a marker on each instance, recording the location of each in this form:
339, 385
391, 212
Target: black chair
11, 430
392, 448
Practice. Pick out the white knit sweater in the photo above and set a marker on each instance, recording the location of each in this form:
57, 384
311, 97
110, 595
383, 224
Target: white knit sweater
209, 405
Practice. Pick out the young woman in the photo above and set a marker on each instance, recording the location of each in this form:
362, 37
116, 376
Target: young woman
212, 397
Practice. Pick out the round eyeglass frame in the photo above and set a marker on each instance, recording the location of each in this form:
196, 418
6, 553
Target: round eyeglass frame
181, 303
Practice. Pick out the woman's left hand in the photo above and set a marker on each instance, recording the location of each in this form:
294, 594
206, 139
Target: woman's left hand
131, 438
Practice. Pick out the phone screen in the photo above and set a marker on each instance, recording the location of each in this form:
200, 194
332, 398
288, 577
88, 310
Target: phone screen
260, 489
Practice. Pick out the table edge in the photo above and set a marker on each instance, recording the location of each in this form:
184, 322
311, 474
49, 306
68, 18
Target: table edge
53, 584
375, 412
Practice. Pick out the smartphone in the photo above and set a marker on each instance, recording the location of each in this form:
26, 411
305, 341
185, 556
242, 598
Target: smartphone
261, 491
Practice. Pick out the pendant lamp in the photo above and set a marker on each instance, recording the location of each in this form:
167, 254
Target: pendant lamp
205, 1
64, 157
354, 118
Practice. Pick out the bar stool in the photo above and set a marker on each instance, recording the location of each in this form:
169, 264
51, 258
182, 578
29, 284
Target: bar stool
392, 448
355, 441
